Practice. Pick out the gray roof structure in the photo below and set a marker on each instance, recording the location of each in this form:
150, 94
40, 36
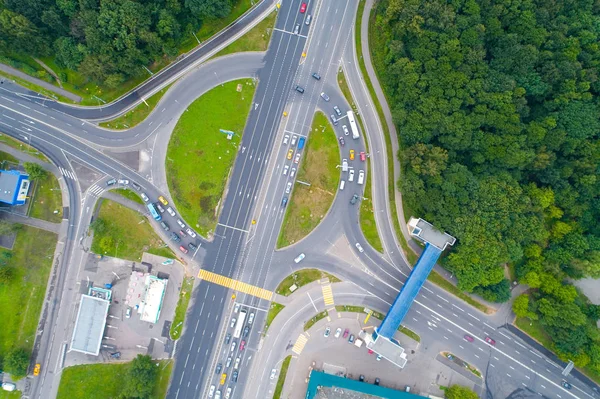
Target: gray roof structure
8, 185
90, 324
427, 233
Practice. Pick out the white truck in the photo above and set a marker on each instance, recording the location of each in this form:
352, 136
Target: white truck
353, 126
358, 342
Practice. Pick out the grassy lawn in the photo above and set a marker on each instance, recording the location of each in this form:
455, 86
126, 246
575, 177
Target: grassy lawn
309, 204
127, 234
47, 199
301, 278
100, 381
10, 395
256, 39
184, 300
16, 144
129, 194
35, 88
21, 300
137, 114
197, 145
318, 316
282, 374
6, 157
273, 312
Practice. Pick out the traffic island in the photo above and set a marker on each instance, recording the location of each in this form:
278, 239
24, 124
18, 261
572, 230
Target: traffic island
460, 366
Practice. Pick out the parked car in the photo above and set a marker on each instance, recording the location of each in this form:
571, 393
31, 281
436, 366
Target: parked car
251, 318
159, 207
377, 381
232, 324
284, 202
242, 345
352, 155
227, 339
192, 247
111, 182
123, 181
354, 199
294, 138
285, 169
174, 237
290, 154
338, 332
183, 249
246, 331
136, 186
327, 332
145, 197
346, 332
163, 200
180, 223
337, 110
299, 89
288, 187
361, 378
296, 31
286, 139
307, 22
342, 142
273, 374
351, 339
38, 367
345, 129
362, 156
170, 211
190, 232
293, 172
164, 226
234, 376
297, 159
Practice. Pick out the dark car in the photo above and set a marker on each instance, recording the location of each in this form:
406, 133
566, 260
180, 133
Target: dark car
316, 76
164, 226
175, 237
136, 186
219, 368
234, 376
565, 384
351, 339
227, 339
299, 89
337, 110
361, 378
192, 247
246, 331
377, 381
354, 199
284, 202
115, 355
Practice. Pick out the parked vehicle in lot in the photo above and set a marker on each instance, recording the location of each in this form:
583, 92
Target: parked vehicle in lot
490, 341
344, 165
273, 374
345, 129
342, 184
346, 332
325, 96
190, 232
183, 249
354, 199
290, 154
293, 172
145, 197
294, 138
363, 157
111, 182
361, 177
315, 75
182, 233
342, 141
299, 89
180, 223
192, 247
307, 22
163, 200
337, 110
327, 332
170, 211
286, 139
299, 258
174, 237
338, 332
351, 339
136, 186
469, 338
360, 248
164, 226
351, 175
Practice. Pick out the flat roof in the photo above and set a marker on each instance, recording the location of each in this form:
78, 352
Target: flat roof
425, 231
321, 383
389, 349
409, 291
89, 325
155, 292
9, 185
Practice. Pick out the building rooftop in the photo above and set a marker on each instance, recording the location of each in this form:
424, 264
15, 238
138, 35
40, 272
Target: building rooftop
424, 231
389, 349
89, 325
155, 292
13, 186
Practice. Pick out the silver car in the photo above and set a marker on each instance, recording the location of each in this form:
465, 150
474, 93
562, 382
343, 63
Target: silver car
325, 96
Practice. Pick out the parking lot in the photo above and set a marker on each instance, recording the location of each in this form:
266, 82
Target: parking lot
125, 332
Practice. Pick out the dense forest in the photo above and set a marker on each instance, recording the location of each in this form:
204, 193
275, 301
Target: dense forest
107, 41
497, 110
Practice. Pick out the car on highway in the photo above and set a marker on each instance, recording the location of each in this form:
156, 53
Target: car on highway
286, 139
351, 175
246, 331
360, 248
303, 8
299, 89
123, 181
170, 211
183, 249
299, 258
316, 75
192, 247
223, 379
111, 182
324, 96
237, 362
219, 368
273, 374
164, 226
469, 338
294, 138
352, 155
308, 18
163, 200
284, 201
228, 362
228, 393
174, 237
285, 169
345, 129
338, 332
490, 341
38, 367
346, 332
190, 232
159, 207
211, 391
293, 172
565, 384
351, 339
288, 188
233, 345
218, 394
242, 345
296, 31
327, 332
232, 324
227, 339
342, 141
145, 197
354, 199
297, 159
251, 318
290, 154
361, 177
363, 157
180, 223
337, 110
234, 376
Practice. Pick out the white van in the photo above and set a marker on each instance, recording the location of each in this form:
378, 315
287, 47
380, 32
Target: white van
342, 184
8, 386
361, 177
344, 165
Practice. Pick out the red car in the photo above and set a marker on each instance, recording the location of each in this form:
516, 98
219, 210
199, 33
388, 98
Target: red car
363, 157
490, 341
242, 345
346, 331
469, 338
370, 351
183, 249
303, 8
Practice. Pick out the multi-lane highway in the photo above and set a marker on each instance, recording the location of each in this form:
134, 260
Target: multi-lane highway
257, 188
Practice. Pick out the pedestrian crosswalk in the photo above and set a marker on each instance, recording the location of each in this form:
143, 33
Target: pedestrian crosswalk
235, 285
327, 294
299, 345
67, 173
96, 190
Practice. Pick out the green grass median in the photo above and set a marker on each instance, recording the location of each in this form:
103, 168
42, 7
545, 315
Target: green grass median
200, 157
273, 312
318, 167
282, 374
185, 294
301, 278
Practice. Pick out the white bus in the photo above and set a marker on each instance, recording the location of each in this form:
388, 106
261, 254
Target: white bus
240, 324
353, 126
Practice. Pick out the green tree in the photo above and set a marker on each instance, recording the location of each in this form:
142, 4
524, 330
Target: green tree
209, 8
17, 362
521, 307
140, 379
7, 274
35, 171
496, 292
460, 392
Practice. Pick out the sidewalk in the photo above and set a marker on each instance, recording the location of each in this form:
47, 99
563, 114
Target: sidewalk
5, 214
42, 83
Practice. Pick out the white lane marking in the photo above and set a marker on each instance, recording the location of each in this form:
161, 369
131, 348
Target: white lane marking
458, 308
443, 299
473, 317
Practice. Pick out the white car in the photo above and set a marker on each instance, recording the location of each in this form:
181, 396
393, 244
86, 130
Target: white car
288, 188
299, 258
338, 332
180, 223
218, 394
123, 181
273, 374
294, 138
360, 248
171, 211
233, 322
285, 169
145, 197
361, 177
251, 318
211, 391
233, 345
351, 175
297, 159
228, 393
237, 362
345, 129
286, 139
236, 308
293, 172
190, 232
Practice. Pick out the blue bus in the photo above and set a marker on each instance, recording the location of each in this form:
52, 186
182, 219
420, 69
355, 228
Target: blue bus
154, 212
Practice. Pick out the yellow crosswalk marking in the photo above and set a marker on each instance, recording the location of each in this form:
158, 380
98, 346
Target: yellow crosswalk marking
235, 285
327, 294
299, 345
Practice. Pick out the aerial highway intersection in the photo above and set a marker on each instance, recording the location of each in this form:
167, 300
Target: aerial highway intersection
225, 350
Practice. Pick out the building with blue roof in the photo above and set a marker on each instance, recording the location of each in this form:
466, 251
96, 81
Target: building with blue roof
14, 187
